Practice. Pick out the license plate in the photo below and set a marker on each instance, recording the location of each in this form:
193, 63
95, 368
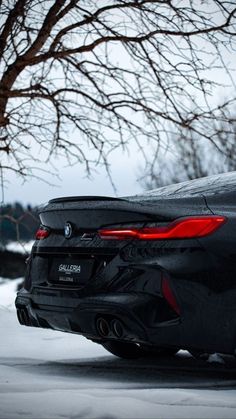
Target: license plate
71, 271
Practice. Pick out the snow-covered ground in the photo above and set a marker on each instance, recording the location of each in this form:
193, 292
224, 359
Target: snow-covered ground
20, 247
49, 375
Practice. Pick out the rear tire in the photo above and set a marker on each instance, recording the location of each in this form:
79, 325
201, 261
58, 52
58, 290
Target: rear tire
124, 350
162, 352
199, 354
128, 350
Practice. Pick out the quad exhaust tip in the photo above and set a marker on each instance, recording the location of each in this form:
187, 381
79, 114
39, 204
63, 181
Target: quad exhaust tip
113, 328
23, 317
117, 328
18, 312
103, 327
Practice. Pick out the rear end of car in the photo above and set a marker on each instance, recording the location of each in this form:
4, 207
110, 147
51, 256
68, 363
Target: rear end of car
122, 270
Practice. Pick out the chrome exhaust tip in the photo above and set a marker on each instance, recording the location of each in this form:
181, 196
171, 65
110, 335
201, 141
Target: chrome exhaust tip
103, 327
19, 317
23, 317
117, 328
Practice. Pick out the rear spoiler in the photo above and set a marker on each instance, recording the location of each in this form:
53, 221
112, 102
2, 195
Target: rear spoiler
84, 198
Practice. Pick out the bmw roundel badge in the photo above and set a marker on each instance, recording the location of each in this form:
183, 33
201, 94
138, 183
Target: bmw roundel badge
68, 231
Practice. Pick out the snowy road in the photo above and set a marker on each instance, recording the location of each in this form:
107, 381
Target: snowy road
46, 374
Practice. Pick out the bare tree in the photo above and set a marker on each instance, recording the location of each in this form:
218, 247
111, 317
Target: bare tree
79, 74
190, 157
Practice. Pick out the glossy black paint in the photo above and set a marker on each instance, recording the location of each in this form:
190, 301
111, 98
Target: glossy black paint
125, 277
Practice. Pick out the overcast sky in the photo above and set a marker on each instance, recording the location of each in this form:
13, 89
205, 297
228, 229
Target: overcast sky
125, 171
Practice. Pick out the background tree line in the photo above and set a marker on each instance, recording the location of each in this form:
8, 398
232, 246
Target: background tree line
17, 222
188, 156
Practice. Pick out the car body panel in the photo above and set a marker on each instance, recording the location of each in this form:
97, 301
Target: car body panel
123, 279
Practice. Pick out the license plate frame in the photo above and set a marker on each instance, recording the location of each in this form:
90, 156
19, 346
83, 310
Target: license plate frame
70, 270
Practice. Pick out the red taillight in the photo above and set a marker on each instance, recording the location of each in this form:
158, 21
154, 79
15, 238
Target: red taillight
42, 233
183, 228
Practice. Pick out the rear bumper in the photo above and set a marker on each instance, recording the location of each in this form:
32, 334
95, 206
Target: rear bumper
140, 315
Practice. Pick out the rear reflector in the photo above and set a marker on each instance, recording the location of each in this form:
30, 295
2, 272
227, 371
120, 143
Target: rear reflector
169, 296
183, 228
42, 233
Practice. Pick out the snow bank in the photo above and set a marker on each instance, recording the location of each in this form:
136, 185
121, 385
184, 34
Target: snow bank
8, 290
20, 247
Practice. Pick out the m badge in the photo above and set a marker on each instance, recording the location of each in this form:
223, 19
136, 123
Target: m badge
68, 230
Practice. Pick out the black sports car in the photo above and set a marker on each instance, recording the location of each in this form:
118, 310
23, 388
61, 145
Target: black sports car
148, 273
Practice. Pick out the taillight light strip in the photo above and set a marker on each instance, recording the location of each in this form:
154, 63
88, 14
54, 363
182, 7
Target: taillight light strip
182, 228
42, 233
